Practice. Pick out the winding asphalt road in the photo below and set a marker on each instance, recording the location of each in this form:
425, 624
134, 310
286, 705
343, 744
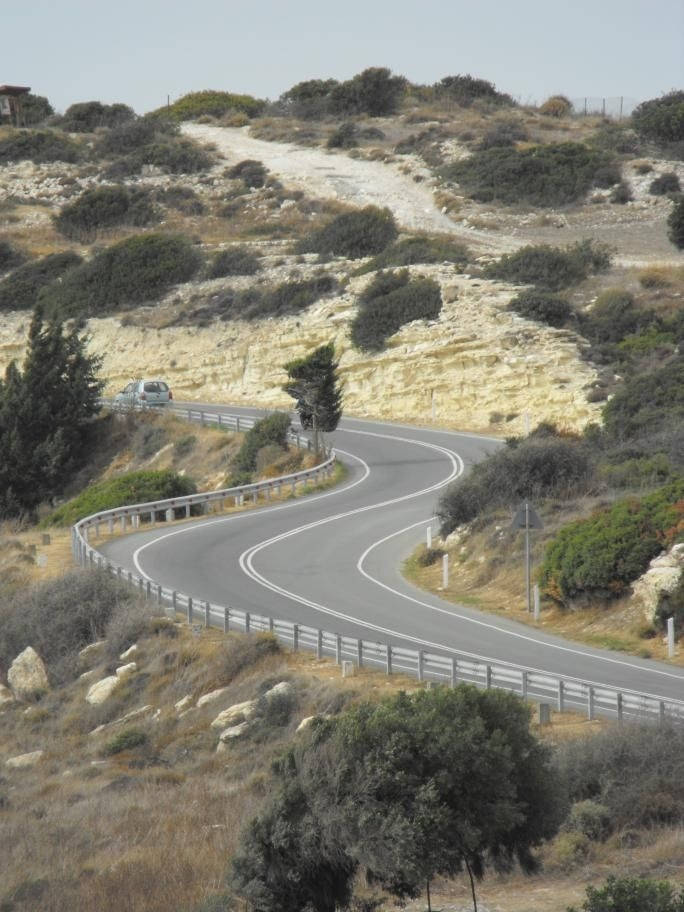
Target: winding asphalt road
332, 560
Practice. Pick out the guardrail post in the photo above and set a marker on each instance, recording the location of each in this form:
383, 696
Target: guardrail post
110, 525
148, 590
523, 684
226, 620
169, 514
267, 489
187, 511
388, 659
247, 621
201, 419
295, 637
560, 696
174, 601
359, 653
122, 522
590, 703
319, 644
135, 520
294, 486
488, 676
237, 423
189, 609
618, 705
130, 577
453, 672
141, 584
661, 712
421, 662
118, 572
255, 496
338, 648
271, 625
97, 530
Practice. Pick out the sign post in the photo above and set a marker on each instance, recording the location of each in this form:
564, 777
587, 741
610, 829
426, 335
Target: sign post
526, 517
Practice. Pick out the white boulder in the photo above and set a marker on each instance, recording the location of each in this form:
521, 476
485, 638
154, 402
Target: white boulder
234, 713
127, 653
284, 689
661, 578
125, 671
235, 731
211, 696
183, 704
102, 690
24, 760
91, 651
27, 676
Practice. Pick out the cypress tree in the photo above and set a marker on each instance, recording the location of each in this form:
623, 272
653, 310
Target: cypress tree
314, 384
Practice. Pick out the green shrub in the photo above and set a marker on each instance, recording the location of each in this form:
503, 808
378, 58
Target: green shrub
184, 199
636, 772
59, 617
551, 175
212, 103
177, 156
143, 486
556, 106
87, 116
614, 315
279, 301
504, 132
633, 894
542, 306
607, 176
128, 739
362, 233
309, 99
646, 403
271, 430
19, 291
35, 109
137, 269
184, 446
38, 146
134, 135
615, 137
665, 183
375, 91
534, 468
591, 819
236, 261
426, 557
465, 89
636, 472
621, 194
344, 137
603, 554
548, 267
661, 119
675, 224
104, 207
252, 172
10, 257
418, 249
390, 301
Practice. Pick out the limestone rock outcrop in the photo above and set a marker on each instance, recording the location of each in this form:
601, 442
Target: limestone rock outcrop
22, 761
6, 696
661, 578
102, 690
27, 676
239, 711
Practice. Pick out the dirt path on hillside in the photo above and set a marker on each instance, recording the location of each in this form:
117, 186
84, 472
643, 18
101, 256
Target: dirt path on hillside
333, 175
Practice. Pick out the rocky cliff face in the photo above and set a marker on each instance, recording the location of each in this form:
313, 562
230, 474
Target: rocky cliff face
476, 363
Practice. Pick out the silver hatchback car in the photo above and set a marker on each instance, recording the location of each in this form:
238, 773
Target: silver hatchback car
141, 394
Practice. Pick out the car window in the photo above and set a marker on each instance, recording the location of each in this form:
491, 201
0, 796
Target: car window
162, 386
152, 387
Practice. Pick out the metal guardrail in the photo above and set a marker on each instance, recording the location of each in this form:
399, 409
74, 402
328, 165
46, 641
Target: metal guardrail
566, 693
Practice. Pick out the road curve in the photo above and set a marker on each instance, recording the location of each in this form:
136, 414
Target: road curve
332, 560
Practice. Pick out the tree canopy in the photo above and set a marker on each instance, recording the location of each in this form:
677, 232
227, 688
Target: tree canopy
314, 384
416, 786
45, 410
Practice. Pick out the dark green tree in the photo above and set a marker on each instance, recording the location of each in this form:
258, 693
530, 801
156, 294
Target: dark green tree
45, 413
404, 790
633, 894
314, 384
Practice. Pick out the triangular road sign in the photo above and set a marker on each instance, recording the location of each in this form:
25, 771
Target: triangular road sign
533, 520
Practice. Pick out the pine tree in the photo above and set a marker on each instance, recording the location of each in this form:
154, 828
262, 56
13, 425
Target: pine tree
314, 384
45, 412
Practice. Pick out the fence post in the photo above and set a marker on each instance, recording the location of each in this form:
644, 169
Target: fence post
560, 696
421, 660
189, 609
319, 644
295, 637
359, 653
338, 648
590, 703
207, 614
523, 684
388, 659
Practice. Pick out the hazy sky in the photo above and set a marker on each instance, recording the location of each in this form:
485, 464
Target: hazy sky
138, 51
